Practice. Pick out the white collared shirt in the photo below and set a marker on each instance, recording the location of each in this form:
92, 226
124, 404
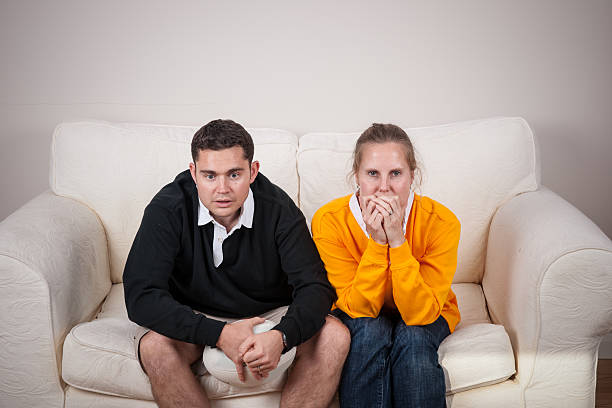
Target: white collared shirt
220, 233
356, 211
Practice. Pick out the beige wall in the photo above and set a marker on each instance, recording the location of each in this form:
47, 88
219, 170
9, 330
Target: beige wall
312, 66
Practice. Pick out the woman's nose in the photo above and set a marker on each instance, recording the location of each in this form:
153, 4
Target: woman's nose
384, 185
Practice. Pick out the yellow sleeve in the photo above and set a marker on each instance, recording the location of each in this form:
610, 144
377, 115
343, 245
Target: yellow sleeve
420, 287
360, 286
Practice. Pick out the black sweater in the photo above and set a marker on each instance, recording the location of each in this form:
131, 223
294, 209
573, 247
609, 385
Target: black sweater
170, 270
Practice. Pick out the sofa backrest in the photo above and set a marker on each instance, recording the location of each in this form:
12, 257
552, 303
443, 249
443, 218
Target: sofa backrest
470, 167
116, 169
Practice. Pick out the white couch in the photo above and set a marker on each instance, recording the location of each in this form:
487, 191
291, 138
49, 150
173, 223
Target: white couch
534, 278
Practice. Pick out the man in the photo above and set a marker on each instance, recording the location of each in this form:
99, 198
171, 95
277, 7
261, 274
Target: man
222, 240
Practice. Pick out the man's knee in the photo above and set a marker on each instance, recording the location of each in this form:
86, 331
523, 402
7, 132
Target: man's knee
338, 336
160, 354
333, 339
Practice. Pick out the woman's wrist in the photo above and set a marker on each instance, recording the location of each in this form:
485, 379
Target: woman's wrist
397, 242
379, 242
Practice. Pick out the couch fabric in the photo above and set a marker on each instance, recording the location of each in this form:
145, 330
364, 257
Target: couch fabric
531, 267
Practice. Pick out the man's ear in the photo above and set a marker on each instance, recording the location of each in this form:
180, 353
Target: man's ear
192, 170
254, 170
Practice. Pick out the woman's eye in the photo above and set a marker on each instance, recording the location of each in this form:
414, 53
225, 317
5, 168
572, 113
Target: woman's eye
396, 173
372, 173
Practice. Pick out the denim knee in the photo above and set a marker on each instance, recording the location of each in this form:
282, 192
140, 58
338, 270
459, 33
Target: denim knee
365, 378
418, 378
426, 336
367, 332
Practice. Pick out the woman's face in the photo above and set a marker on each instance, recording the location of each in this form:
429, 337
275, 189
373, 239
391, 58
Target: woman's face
384, 170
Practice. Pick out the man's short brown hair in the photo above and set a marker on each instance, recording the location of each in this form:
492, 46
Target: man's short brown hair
222, 134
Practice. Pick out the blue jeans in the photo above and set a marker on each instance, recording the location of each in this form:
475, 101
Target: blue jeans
391, 364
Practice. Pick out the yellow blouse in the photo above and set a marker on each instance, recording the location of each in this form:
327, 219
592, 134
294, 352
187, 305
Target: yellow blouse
414, 278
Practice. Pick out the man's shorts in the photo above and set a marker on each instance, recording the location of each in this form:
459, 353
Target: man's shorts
274, 315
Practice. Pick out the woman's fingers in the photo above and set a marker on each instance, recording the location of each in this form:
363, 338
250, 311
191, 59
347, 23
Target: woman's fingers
384, 211
392, 202
370, 212
370, 207
378, 218
382, 203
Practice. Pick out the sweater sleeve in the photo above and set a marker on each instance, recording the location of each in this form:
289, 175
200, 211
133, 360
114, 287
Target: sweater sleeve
146, 276
312, 294
420, 287
360, 284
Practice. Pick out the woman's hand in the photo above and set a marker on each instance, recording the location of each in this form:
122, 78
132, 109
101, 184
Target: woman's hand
393, 218
373, 219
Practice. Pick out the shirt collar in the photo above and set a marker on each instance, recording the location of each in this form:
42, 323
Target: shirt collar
356, 211
246, 213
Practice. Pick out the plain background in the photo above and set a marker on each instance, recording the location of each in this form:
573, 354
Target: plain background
312, 66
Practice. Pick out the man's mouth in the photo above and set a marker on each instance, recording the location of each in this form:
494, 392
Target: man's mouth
223, 203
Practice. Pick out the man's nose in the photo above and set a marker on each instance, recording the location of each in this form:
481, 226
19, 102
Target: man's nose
222, 185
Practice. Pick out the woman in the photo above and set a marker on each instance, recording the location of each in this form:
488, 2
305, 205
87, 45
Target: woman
391, 256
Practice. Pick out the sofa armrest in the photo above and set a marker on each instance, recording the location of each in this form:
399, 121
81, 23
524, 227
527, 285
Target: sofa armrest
54, 272
548, 280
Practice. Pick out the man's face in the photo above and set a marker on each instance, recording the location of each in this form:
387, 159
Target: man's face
222, 178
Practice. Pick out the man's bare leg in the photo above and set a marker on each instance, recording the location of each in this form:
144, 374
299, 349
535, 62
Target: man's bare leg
314, 377
167, 362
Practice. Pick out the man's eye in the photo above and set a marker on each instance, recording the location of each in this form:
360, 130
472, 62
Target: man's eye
234, 175
210, 177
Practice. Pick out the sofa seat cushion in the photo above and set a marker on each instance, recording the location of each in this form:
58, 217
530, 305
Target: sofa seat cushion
476, 356
478, 353
100, 355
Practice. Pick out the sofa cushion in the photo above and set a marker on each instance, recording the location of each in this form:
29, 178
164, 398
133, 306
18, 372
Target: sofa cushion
77, 398
100, 355
116, 169
476, 355
471, 167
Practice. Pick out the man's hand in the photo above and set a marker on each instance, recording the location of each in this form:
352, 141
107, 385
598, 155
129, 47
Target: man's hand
232, 336
261, 352
373, 219
393, 218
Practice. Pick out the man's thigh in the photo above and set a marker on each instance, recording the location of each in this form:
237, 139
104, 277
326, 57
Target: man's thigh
152, 346
193, 352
